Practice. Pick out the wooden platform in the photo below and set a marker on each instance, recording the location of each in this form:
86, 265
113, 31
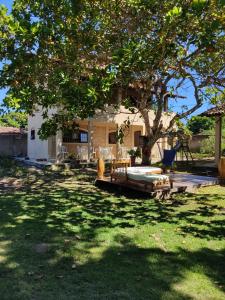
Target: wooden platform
182, 183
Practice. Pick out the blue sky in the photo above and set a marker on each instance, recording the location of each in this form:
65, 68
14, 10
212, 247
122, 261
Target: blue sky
177, 105
7, 3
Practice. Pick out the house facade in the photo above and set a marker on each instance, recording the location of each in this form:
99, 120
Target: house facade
95, 137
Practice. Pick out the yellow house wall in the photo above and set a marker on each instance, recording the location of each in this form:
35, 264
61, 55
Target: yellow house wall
100, 138
103, 122
100, 134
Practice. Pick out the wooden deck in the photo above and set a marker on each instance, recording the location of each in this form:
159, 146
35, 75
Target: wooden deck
181, 183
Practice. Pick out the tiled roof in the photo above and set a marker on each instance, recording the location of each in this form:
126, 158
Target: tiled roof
9, 130
215, 111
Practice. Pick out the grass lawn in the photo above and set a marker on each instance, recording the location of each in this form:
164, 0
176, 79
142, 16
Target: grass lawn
63, 238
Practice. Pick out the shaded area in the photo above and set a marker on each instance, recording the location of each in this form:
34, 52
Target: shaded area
63, 238
126, 271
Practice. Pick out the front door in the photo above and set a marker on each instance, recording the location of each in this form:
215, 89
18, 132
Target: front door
137, 135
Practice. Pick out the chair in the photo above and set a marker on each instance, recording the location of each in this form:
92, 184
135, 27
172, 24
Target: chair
105, 153
82, 152
123, 153
168, 158
64, 152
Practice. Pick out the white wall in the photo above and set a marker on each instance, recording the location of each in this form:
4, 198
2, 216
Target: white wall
37, 148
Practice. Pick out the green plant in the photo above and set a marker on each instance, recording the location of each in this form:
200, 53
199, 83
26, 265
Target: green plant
134, 152
13, 119
72, 156
183, 130
207, 146
198, 124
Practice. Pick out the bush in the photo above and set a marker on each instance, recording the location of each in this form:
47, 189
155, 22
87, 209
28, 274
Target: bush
208, 146
198, 124
6, 162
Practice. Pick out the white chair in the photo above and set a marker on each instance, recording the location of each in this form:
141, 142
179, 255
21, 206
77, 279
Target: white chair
63, 152
123, 152
106, 153
82, 152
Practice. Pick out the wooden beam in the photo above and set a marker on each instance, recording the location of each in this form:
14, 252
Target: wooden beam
117, 143
90, 139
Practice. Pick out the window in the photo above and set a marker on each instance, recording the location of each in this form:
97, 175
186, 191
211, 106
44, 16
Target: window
112, 138
83, 137
32, 134
79, 136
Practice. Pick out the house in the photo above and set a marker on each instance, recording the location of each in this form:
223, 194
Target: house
13, 141
94, 137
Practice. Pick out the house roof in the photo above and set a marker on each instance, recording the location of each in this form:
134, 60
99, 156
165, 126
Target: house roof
10, 131
218, 110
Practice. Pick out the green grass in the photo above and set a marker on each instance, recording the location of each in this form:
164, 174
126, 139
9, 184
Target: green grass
105, 245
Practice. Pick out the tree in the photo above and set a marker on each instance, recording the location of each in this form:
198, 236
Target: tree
197, 124
79, 55
13, 119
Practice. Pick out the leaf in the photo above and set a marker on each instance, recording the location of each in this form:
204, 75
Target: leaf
176, 11
199, 4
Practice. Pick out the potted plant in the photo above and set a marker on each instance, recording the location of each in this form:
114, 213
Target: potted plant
133, 154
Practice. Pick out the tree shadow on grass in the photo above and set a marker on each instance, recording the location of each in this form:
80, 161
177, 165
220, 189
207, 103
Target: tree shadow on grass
122, 271
68, 218
49, 203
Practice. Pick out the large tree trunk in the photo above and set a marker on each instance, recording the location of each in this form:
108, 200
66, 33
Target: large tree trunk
152, 131
149, 140
146, 152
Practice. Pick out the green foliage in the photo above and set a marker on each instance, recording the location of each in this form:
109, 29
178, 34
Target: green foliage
77, 55
208, 146
13, 119
134, 152
197, 124
183, 129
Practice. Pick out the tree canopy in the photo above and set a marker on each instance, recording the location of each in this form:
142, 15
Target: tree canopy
13, 119
82, 55
198, 124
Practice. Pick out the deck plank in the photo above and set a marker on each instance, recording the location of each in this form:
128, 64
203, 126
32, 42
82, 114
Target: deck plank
181, 183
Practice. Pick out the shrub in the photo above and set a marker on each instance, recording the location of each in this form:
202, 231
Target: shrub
198, 124
208, 146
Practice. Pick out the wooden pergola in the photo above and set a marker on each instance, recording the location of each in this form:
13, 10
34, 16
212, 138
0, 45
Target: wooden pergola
218, 112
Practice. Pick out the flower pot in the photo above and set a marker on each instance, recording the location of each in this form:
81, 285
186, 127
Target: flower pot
132, 160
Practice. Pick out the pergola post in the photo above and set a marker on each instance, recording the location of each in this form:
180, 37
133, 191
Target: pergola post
90, 139
218, 133
58, 144
117, 143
